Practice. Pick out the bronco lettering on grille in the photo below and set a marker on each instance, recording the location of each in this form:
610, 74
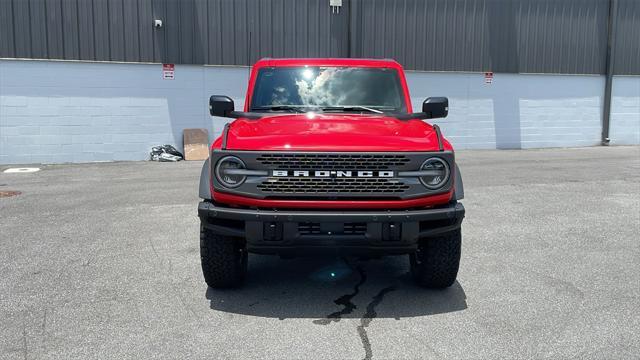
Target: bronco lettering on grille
332, 173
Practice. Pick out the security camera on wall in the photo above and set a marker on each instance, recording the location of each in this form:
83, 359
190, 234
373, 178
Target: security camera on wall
157, 23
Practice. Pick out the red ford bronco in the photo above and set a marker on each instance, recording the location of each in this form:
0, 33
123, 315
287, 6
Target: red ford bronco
328, 156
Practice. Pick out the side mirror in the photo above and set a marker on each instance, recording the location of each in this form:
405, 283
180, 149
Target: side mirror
436, 107
220, 105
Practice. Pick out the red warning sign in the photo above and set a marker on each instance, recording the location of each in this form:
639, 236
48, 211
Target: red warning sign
488, 77
168, 71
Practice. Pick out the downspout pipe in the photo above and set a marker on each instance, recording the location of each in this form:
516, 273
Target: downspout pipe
606, 108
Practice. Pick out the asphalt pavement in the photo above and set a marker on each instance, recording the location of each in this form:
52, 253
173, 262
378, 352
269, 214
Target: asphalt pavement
102, 261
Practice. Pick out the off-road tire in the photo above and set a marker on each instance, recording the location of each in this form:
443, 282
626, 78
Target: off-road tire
435, 264
223, 258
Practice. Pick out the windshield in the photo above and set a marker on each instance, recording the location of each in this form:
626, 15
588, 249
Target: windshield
297, 89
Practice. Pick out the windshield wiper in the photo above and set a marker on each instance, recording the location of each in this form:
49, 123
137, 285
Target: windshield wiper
279, 108
352, 108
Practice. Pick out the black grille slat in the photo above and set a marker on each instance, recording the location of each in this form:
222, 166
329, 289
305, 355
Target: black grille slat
308, 228
291, 185
355, 228
332, 161
311, 228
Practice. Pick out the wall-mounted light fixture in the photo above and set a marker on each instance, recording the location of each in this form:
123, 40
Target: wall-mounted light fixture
335, 6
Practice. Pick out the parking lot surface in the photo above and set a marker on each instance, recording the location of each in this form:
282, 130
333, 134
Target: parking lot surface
102, 261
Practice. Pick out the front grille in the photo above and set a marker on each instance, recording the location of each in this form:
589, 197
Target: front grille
332, 161
332, 185
353, 228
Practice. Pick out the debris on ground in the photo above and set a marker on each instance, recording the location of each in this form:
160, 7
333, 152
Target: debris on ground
165, 153
9, 193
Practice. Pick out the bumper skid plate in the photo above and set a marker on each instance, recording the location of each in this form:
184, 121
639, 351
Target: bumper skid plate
360, 232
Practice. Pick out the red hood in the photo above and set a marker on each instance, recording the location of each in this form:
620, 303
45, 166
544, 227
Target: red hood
331, 132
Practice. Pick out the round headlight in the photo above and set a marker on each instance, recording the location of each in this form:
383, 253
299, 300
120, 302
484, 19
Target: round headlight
438, 173
225, 173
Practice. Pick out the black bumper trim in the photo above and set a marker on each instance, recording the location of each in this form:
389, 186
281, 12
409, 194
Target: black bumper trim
208, 210
278, 232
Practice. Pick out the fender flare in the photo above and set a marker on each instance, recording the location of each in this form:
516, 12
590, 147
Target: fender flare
458, 191
205, 178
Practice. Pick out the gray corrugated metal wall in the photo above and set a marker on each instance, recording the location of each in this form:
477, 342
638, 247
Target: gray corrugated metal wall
530, 36
194, 32
626, 49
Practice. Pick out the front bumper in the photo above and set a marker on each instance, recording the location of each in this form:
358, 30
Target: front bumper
362, 232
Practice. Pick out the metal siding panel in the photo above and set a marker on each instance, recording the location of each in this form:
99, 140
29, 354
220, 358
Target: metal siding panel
145, 30
338, 30
159, 10
407, 34
313, 26
443, 37
289, 28
215, 31
481, 35
503, 40
240, 45
388, 29
252, 15
227, 33
355, 25
455, 26
410, 41
324, 43
187, 16
373, 28
38, 25
70, 29
21, 29
101, 30
277, 27
300, 32
85, 30
130, 27
172, 30
263, 29
475, 36
201, 32
116, 30
600, 33
6, 29
329, 44
253, 49
627, 39
55, 39
538, 36
559, 37
427, 33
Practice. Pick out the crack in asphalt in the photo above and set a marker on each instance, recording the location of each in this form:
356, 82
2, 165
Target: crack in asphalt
25, 350
349, 306
344, 300
366, 319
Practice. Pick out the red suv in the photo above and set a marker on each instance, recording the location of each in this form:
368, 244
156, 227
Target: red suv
328, 156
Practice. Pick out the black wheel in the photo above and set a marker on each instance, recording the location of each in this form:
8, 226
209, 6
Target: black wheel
223, 258
435, 264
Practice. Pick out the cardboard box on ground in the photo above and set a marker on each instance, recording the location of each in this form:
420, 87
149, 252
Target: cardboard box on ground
196, 144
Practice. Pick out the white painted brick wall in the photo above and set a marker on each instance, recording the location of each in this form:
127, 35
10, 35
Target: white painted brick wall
625, 111
515, 111
55, 112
